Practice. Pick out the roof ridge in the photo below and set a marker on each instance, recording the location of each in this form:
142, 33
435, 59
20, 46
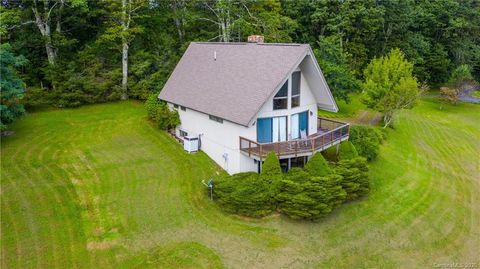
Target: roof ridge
246, 43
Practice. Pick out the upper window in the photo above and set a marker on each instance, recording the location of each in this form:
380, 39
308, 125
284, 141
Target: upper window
214, 118
280, 100
175, 106
296, 88
183, 108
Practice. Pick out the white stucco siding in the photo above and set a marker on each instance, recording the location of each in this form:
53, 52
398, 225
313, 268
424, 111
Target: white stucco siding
218, 139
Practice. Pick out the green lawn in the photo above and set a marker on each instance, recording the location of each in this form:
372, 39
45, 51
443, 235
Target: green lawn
99, 186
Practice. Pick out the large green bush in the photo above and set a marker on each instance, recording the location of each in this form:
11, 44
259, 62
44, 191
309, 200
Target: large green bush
347, 151
159, 113
333, 186
302, 198
245, 194
366, 140
272, 173
317, 166
355, 177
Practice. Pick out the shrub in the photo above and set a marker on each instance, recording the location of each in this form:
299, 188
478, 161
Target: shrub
245, 194
317, 166
366, 141
302, 198
333, 186
354, 174
159, 113
272, 172
330, 154
347, 151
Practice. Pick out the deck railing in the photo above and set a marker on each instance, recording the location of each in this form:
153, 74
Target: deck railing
329, 133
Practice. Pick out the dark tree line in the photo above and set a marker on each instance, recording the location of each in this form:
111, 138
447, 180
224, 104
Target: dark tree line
81, 51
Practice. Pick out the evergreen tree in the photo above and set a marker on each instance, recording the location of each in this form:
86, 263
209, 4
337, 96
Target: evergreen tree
347, 151
317, 166
354, 174
12, 87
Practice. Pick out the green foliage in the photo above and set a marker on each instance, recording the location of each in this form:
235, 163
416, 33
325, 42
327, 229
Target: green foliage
366, 140
11, 85
161, 114
245, 194
333, 186
317, 166
272, 172
460, 76
303, 198
333, 61
347, 151
345, 35
354, 173
389, 84
330, 154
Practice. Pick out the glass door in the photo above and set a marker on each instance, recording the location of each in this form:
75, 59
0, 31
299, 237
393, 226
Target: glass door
271, 129
299, 124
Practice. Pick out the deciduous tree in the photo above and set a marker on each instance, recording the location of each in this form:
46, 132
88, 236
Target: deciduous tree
390, 85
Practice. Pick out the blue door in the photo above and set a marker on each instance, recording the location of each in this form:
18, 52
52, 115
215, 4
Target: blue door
303, 122
264, 130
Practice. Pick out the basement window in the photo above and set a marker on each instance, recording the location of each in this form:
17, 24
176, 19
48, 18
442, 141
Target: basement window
183, 133
280, 100
217, 119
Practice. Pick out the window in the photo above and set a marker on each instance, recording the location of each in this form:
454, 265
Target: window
175, 106
183, 108
298, 162
296, 88
280, 100
183, 133
217, 119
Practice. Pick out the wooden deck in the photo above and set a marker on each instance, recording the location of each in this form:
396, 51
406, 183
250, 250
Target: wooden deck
329, 133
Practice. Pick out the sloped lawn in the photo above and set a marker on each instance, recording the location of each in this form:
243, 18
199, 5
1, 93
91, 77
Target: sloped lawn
99, 186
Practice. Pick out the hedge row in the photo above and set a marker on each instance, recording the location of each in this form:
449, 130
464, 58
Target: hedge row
308, 193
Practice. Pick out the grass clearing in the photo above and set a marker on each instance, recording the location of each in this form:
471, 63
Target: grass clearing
100, 187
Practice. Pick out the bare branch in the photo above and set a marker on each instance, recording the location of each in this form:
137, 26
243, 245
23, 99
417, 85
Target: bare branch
20, 25
210, 20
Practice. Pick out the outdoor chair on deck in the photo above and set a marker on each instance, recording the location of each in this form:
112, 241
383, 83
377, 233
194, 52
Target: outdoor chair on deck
304, 137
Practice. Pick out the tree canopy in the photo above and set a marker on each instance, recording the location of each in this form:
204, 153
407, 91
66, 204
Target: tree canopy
12, 87
390, 85
83, 52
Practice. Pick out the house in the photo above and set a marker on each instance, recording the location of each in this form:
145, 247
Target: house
243, 100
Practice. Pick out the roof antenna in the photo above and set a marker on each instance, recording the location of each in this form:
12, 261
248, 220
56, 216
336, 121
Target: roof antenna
215, 55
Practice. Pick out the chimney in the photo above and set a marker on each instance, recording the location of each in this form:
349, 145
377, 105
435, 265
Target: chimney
255, 39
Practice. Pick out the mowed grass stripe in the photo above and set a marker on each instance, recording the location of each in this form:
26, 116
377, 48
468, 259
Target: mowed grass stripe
423, 207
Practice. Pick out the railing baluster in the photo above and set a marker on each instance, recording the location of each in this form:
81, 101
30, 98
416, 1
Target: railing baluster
296, 147
249, 148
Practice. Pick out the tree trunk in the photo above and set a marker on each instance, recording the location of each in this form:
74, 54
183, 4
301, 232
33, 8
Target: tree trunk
179, 18
387, 119
124, 70
125, 25
43, 25
51, 53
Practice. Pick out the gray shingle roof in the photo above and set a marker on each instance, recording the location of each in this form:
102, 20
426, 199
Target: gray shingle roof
235, 85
